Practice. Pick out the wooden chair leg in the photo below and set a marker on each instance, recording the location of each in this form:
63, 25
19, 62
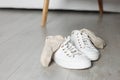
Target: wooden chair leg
100, 4
45, 12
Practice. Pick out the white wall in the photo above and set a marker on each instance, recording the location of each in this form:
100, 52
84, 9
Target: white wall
109, 5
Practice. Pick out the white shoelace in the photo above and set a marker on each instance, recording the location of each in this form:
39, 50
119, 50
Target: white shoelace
86, 40
69, 48
83, 40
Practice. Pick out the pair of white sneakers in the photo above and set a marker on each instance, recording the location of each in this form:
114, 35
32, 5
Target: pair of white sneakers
76, 52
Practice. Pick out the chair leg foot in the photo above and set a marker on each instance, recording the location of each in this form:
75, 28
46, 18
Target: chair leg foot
100, 3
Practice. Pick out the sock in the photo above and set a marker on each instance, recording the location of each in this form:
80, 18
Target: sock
97, 41
52, 43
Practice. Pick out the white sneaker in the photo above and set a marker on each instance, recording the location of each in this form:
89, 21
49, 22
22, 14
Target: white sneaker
67, 56
83, 43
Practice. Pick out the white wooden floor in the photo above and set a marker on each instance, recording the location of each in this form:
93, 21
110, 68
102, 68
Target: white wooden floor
22, 40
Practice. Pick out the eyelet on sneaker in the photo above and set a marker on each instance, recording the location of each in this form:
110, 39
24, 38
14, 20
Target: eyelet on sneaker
73, 56
77, 33
75, 51
65, 52
68, 55
72, 51
81, 33
79, 44
84, 41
